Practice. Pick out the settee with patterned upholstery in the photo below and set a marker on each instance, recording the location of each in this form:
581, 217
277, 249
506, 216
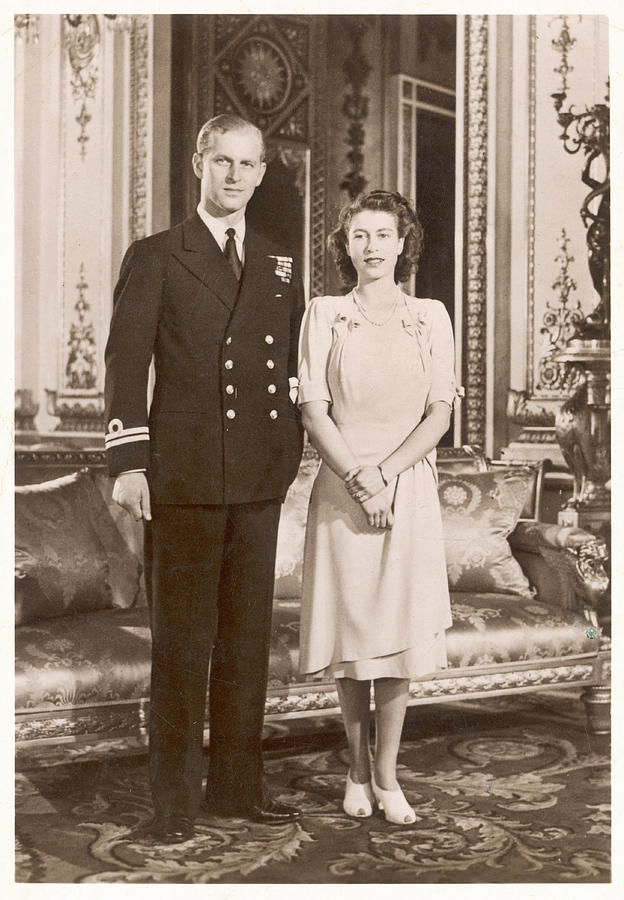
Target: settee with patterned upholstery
524, 596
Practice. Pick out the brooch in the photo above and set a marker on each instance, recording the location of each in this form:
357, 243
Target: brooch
283, 267
341, 319
413, 328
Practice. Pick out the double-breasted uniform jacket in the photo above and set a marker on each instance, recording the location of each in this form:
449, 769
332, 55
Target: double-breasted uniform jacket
221, 427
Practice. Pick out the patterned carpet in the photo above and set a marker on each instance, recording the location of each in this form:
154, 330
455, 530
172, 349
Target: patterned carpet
506, 790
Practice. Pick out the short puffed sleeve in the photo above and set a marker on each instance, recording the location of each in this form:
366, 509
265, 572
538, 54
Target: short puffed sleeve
443, 384
315, 340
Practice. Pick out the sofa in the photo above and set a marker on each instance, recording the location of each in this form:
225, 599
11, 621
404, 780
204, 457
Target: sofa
524, 596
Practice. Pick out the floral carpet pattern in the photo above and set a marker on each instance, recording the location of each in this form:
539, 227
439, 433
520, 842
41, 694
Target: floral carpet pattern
505, 790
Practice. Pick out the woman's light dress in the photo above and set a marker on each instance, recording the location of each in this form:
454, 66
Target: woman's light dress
375, 603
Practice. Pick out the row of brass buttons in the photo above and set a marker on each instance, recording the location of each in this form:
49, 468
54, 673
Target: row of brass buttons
229, 364
231, 413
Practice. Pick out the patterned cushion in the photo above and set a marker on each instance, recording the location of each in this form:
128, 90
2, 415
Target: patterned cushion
479, 511
70, 556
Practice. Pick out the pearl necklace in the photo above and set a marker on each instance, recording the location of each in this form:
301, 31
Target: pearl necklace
372, 321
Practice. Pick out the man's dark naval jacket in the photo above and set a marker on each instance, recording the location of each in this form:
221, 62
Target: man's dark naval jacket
221, 427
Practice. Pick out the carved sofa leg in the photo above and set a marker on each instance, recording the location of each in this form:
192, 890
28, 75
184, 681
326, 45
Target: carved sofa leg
597, 700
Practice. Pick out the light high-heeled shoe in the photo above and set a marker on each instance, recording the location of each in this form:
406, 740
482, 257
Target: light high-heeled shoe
395, 807
358, 799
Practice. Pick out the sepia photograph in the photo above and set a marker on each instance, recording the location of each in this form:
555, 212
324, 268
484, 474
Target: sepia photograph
312, 447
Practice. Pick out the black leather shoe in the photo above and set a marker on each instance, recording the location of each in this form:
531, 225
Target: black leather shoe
174, 829
273, 813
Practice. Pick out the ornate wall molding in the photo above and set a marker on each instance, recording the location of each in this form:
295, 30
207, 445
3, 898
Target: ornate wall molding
270, 69
546, 380
475, 224
355, 106
81, 368
262, 71
82, 41
532, 64
318, 174
559, 322
95, 47
140, 128
27, 27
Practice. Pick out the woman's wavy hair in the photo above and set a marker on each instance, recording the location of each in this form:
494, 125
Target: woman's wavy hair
408, 226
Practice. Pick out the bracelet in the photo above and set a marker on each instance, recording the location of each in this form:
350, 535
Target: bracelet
351, 473
383, 477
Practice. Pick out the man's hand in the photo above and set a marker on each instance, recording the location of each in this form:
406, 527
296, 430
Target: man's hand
131, 492
365, 483
379, 512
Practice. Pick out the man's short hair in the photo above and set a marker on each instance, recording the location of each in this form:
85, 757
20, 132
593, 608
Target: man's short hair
222, 124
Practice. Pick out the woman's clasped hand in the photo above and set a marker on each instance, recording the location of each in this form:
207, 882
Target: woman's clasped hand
364, 485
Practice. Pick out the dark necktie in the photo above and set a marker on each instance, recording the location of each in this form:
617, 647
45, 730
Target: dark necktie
231, 255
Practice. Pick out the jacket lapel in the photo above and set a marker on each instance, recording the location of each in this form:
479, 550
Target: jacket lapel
256, 271
202, 256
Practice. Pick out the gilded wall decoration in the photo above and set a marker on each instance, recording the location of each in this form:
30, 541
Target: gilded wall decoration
81, 368
318, 176
553, 284
261, 71
355, 106
140, 130
269, 69
27, 27
82, 40
588, 130
475, 258
559, 323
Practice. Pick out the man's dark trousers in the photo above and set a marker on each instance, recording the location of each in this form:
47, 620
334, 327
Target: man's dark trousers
210, 576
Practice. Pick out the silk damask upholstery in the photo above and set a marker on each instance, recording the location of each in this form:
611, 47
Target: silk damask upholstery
479, 511
70, 556
104, 656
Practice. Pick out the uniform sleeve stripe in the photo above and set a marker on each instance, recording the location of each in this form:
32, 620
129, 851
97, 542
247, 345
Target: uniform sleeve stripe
120, 432
129, 439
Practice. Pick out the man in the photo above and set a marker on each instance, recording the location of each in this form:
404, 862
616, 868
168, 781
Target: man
218, 308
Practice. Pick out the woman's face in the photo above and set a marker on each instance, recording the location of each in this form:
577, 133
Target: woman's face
373, 243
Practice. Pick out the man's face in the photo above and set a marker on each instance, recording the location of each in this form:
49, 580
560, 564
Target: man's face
230, 169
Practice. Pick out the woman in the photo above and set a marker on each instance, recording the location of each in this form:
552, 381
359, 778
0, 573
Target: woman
376, 387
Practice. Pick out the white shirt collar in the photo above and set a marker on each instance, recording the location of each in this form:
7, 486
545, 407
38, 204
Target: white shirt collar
217, 228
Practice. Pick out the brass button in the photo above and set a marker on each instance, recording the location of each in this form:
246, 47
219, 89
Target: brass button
269, 338
271, 389
270, 364
273, 414
231, 414
229, 389
229, 364
228, 340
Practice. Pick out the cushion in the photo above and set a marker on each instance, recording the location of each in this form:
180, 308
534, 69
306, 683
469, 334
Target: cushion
69, 556
479, 511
